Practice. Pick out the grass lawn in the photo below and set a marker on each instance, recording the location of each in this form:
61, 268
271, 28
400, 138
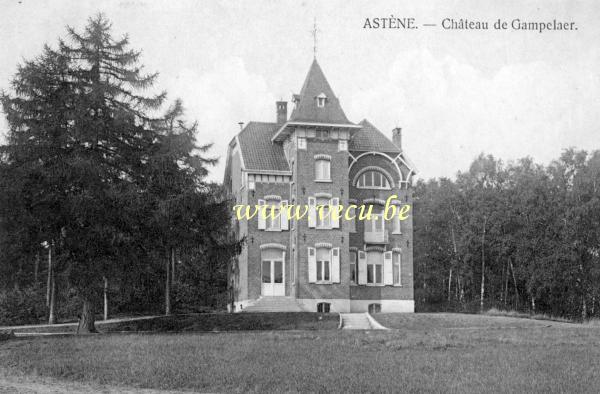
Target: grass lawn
424, 352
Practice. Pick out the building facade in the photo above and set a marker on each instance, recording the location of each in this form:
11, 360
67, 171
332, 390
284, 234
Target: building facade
318, 158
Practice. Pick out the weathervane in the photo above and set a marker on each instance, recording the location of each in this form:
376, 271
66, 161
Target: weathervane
314, 33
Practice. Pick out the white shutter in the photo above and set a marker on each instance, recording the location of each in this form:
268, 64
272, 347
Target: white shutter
334, 217
388, 269
362, 268
261, 215
335, 265
312, 212
312, 265
284, 216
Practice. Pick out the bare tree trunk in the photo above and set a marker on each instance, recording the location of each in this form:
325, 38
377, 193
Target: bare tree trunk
173, 277
51, 291
168, 287
87, 318
449, 284
52, 306
532, 303
506, 284
583, 308
457, 287
49, 281
105, 298
482, 265
512, 270
36, 268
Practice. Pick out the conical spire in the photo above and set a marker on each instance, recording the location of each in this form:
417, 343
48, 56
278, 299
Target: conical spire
310, 106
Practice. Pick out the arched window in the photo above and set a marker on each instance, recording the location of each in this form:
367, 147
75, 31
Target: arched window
373, 179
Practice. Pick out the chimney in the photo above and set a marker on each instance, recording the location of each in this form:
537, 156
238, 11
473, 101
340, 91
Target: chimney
281, 111
397, 137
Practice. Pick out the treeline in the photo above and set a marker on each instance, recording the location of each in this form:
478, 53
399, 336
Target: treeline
520, 237
103, 198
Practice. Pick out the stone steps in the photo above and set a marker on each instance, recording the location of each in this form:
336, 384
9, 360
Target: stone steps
274, 304
356, 321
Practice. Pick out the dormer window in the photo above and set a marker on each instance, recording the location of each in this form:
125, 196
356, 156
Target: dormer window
321, 99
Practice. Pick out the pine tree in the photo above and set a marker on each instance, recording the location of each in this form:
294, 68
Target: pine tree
105, 177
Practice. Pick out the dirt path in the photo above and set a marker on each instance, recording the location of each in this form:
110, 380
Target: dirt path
98, 322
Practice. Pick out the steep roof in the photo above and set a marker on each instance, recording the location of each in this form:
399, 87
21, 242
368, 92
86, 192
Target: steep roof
369, 138
307, 110
258, 151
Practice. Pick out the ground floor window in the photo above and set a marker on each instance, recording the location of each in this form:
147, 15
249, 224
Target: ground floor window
323, 265
374, 308
353, 269
396, 261
375, 268
323, 307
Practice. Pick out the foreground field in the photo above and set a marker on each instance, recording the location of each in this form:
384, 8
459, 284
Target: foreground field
424, 352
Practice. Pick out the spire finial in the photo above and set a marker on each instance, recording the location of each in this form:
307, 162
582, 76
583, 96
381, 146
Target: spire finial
314, 33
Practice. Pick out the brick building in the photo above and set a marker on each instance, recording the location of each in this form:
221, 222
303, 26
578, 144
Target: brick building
317, 157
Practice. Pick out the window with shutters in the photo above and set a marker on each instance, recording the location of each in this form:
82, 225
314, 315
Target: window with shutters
324, 219
273, 219
322, 170
323, 265
353, 268
374, 268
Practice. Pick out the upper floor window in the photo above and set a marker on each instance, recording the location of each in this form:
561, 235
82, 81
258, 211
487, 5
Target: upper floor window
272, 215
323, 220
376, 224
322, 134
321, 99
373, 179
322, 169
301, 143
273, 220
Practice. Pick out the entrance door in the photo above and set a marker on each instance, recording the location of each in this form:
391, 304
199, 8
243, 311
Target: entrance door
273, 278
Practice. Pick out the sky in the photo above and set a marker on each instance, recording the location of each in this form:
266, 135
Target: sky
455, 93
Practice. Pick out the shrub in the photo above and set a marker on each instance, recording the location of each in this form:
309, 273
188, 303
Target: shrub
22, 306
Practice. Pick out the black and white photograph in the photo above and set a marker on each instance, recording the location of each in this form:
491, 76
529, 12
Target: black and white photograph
299, 196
